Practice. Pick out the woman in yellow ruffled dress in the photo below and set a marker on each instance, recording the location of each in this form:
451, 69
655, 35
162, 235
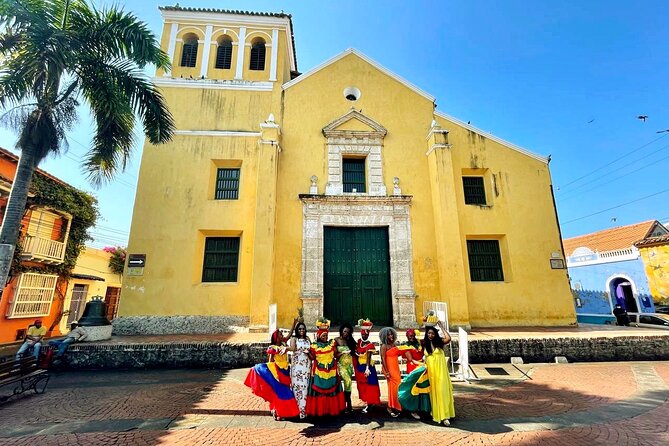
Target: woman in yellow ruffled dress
441, 388
325, 396
345, 349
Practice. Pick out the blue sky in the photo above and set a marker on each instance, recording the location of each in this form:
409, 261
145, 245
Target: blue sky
564, 78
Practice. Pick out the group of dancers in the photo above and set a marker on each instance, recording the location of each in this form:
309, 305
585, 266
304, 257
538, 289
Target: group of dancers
318, 379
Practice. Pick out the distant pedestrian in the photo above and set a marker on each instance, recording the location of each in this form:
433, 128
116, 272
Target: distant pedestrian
622, 318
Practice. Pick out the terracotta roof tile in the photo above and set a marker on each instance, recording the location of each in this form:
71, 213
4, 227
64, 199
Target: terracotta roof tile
650, 241
610, 239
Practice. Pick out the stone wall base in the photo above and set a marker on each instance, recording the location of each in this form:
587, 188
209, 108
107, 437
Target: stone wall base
164, 325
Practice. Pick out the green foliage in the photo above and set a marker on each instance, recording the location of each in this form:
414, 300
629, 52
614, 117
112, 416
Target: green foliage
84, 210
116, 258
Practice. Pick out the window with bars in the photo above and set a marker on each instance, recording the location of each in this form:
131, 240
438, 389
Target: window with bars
474, 189
227, 184
485, 261
353, 170
257, 62
221, 258
33, 295
224, 54
189, 52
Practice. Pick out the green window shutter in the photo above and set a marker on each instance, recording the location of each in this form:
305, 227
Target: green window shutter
224, 55
474, 190
227, 184
485, 261
221, 258
189, 53
353, 170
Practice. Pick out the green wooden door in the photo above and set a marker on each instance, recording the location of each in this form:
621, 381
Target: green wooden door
357, 275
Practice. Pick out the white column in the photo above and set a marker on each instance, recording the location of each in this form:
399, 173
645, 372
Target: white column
240, 53
207, 48
172, 46
275, 51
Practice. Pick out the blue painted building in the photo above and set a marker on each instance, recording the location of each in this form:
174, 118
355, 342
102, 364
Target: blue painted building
605, 269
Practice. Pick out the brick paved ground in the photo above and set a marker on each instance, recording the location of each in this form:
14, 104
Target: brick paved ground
572, 404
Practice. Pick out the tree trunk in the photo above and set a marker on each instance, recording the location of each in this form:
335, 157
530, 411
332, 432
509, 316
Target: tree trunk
11, 222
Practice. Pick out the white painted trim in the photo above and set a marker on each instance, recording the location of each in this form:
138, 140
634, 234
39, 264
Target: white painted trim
593, 314
258, 31
215, 18
240, 53
438, 146
602, 258
275, 52
635, 293
204, 63
512, 146
171, 47
214, 84
217, 133
369, 61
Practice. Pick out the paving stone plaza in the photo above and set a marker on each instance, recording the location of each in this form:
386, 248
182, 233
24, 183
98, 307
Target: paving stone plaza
535, 404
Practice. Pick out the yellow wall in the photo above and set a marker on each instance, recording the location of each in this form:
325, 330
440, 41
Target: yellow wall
656, 262
91, 262
175, 210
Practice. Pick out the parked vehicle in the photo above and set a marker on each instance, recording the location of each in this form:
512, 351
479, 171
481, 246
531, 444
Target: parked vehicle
649, 320
664, 309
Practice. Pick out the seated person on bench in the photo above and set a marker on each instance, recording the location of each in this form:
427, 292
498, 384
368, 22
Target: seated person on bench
76, 334
33, 339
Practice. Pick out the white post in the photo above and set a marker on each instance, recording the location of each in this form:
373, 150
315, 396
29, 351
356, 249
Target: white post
207, 48
275, 52
240, 53
171, 47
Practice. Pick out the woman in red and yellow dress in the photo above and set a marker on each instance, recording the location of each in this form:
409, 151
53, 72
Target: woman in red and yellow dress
415, 350
325, 396
271, 380
365, 372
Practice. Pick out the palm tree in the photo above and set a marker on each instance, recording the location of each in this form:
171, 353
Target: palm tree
56, 55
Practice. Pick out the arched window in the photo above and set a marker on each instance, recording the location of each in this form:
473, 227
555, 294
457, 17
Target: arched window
224, 53
189, 51
257, 55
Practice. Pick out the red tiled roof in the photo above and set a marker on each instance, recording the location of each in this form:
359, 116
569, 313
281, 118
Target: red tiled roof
651, 241
15, 159
610, 239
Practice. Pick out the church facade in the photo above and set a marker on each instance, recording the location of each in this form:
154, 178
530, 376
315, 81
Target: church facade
341, 191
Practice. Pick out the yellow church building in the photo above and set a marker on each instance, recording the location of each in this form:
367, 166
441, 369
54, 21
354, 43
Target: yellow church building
341, 191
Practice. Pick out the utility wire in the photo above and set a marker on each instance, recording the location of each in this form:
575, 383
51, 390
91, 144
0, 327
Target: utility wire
615, 207
614, 161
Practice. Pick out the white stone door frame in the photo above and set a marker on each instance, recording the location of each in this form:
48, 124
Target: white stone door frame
359, 211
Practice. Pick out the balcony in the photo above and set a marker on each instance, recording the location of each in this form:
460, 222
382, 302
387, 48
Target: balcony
33, 296
39, 249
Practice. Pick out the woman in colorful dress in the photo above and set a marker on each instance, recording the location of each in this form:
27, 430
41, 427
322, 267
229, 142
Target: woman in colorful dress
415, 349
365, 372
441, 388
345, 351
300, 367
391, 368
325, 396
271, 380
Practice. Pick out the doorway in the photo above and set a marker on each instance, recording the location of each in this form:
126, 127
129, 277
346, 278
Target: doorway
622, 294
357, 275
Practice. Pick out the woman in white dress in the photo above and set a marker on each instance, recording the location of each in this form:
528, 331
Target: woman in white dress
300, 368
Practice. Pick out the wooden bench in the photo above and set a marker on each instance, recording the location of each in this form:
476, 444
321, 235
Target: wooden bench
24, 374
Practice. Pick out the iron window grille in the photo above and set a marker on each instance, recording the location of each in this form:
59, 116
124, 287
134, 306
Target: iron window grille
224, 55
189, 53
474, 190
354, 174
221, 258
485, 261
257, 62
227, 184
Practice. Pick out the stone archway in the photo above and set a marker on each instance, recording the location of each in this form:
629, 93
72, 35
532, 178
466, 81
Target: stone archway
359, 211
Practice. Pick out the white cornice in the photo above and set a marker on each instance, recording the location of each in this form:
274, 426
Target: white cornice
512, 146
213, 84
366, 59
217, 133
